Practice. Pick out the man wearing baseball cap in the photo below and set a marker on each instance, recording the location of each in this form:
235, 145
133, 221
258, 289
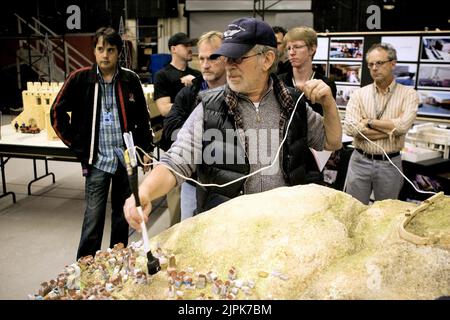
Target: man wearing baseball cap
168, 82
237, 129
177, 74
181, 38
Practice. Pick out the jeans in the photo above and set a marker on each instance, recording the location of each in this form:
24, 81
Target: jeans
188, 200
96, 192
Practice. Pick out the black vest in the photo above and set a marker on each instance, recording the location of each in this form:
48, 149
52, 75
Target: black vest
217, 116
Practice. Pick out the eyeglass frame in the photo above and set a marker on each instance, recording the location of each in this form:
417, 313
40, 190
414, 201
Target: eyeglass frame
208, 59
296, 47
240, 59
378, 64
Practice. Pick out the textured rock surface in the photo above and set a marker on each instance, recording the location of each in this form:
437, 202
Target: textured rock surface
305, 242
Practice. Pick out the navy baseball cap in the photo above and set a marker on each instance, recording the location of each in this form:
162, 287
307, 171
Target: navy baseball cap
181, 38
242, 35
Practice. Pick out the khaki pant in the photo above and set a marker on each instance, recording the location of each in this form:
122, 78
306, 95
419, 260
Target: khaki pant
365, 175
173, 204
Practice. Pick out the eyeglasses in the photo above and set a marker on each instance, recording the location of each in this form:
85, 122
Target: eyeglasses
241, 59
295, 47
209, 60
378, 64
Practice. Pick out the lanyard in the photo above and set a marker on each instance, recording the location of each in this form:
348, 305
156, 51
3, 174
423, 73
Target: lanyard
105, 96
295, 84
390, 93
104, 85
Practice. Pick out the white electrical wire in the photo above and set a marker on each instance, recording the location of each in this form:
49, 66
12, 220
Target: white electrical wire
238, 179
274, 160
379, 147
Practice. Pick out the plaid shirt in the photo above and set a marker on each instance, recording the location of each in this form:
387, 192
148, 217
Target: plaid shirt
110, 135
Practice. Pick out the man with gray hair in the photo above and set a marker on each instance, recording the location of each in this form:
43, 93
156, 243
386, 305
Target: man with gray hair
237, 129
383, 111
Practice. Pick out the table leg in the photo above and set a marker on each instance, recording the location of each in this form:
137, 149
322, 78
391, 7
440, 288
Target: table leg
5, 192
36, 178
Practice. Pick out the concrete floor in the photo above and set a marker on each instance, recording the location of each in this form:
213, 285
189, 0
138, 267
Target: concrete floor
39, 234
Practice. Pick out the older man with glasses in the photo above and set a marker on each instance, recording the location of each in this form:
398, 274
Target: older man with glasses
237, 129
383, 112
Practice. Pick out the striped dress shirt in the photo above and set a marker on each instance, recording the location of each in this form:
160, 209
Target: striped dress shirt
366, 103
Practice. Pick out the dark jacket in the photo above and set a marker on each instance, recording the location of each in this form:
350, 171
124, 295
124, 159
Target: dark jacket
79, 131
221, 112
315, 176
185, 102
283, 67
287, 80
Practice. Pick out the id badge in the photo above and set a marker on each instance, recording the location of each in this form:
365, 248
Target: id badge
107, 118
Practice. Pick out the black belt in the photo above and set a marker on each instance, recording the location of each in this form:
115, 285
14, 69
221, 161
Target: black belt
378, 156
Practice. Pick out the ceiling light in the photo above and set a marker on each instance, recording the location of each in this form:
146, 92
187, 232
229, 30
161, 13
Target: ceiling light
388, 4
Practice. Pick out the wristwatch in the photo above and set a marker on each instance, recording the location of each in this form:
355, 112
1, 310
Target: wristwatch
369, 123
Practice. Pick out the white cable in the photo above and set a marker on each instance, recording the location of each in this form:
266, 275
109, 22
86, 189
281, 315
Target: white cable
379, 147
144, 231
274, 161
241, 178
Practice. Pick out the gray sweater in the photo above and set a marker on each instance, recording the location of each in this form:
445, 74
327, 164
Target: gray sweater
261, 124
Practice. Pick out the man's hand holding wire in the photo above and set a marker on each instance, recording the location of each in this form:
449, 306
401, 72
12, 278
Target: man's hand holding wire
146, 163
318, 91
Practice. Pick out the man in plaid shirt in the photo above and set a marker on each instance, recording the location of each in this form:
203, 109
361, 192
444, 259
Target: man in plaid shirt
105, 101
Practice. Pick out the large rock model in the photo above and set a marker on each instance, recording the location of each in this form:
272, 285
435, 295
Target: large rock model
304, 242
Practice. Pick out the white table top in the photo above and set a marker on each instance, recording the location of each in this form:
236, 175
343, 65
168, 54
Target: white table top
9, 136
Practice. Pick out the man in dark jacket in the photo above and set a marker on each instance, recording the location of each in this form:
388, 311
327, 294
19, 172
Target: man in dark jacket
105, 101
301, 46
283, 63
177, 74
213, 75
238, 129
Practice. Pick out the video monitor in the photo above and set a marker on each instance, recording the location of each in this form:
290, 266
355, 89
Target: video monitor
434, 76
434, 103
435, 49
405, 73
407, 47
322, 49
346, 48
345, 73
